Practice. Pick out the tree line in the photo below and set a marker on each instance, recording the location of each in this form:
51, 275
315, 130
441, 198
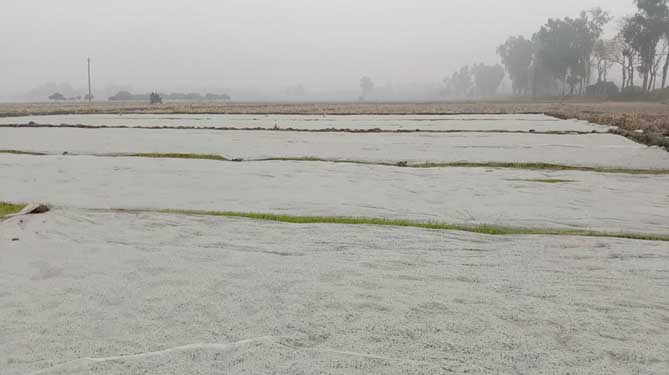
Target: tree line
478, 80
566, 55
127, 96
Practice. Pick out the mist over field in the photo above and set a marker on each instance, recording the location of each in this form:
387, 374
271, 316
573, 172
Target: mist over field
262, 49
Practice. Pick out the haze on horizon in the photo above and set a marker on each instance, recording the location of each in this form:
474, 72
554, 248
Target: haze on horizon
256, 49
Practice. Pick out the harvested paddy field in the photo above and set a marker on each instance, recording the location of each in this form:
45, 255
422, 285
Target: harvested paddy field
527, 245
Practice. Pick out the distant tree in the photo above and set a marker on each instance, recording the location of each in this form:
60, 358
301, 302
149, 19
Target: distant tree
643, 31
122, 95
86, 97
590, 27
624, 55
487, 79
155, 98
603, 57
57, 97
555, 51
447, 90
367, 86
565, 52
665, 69
658, 67
564, 47
517, 54
655, 14
462, 82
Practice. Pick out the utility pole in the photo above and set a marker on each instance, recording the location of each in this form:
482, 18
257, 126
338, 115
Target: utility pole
90, 97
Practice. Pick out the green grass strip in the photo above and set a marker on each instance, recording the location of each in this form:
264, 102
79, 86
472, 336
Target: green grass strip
9, 208
489, 229
648, 138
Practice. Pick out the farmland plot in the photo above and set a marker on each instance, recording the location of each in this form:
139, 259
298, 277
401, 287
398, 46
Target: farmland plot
135, 269
599, 150
108, 293
314, 122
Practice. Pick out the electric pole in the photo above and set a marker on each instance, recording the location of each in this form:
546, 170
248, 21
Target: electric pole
90, 97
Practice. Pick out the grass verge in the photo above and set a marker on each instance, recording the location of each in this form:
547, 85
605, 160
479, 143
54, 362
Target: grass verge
648, 138
650, 128
489, 229
9, 208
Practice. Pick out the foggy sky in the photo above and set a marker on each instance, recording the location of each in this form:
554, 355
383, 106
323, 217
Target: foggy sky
262, 46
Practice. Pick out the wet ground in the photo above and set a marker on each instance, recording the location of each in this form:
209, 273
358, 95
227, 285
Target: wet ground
88, 290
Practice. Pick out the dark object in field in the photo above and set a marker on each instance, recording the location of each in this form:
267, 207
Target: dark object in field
15, 239
33, 209
532, 131
237, 159
403, 163
155, 98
